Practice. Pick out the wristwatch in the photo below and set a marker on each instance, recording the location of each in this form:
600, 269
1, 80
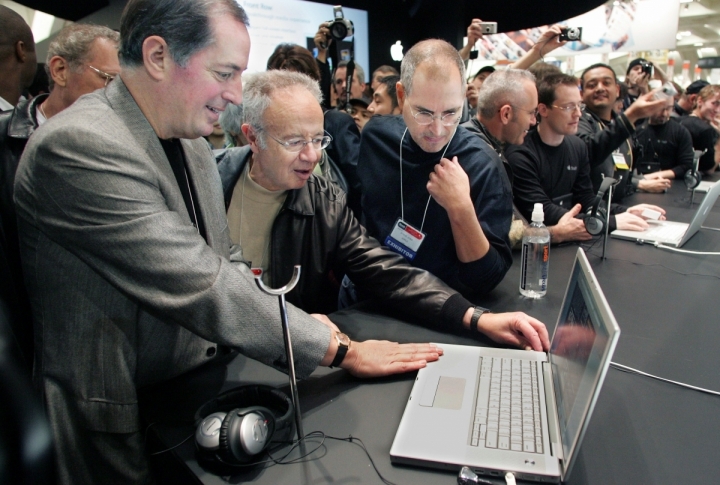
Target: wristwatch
343, 347
477, 313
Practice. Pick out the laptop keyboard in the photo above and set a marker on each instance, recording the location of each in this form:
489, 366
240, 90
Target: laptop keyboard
507, 413
666, 232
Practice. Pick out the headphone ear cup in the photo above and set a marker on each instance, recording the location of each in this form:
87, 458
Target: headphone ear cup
594, 225
244, 433
692, 179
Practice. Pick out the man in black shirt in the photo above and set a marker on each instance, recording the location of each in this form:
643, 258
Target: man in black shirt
702, 127
662, 149
552, 166
608, 135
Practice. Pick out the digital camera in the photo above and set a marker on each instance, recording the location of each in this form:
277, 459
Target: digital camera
571, 33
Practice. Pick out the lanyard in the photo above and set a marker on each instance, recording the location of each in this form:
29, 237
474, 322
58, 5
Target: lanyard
402, 205
627, 140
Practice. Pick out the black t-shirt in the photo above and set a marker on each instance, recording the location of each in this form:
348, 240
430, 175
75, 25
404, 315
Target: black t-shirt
556, 176
176, 157
663, 147
704, 137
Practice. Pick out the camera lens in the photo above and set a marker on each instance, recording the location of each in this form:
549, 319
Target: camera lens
338, 30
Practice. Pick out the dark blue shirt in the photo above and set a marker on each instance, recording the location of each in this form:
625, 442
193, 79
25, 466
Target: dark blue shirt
379, 173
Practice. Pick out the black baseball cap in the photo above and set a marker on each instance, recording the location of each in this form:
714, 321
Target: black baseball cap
635, 62
361, 101
696, 86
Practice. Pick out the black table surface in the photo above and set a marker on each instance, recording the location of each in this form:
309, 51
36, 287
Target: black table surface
642, 430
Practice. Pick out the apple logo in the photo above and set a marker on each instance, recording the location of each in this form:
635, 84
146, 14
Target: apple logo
396, 51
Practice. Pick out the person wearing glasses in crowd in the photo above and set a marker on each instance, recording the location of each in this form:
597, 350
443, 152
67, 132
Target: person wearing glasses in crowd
80, 59
551, 167
432, 191
283, 215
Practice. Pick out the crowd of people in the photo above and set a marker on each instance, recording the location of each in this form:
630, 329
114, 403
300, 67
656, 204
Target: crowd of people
130, 238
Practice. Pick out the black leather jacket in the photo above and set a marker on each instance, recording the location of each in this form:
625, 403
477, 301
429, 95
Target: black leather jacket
601, 142
317, 230
16, 126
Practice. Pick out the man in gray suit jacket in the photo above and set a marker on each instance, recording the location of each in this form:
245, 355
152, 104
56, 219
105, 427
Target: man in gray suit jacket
130, 269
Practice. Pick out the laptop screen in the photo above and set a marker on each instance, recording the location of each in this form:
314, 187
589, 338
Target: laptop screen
581, 341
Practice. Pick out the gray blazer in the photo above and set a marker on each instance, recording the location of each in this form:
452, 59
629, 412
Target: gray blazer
124, 291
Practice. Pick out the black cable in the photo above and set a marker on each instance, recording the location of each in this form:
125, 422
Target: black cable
353, 440
165, 450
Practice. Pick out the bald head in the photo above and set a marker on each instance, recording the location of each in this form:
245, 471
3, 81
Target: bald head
17, 55
438, 59
13, 28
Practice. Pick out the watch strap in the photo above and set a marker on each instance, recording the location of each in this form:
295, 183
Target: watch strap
340, 355
477, 313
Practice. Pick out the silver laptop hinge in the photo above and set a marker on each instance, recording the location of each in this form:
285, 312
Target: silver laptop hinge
551, 406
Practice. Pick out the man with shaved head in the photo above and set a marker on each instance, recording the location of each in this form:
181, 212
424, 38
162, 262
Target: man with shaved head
425, 177
17, 57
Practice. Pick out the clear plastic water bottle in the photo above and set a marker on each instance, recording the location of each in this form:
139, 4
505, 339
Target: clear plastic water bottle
535, 259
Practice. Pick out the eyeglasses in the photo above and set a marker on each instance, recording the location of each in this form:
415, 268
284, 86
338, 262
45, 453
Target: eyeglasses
426, 118
298, 145
531, 112
570, 107
108, 77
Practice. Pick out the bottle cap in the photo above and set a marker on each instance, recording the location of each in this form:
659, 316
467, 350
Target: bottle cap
537, 214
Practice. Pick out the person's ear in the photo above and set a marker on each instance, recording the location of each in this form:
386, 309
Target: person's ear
59, 70
156, 57
400, 92
252, 137
506, 114
21, 51
543, 109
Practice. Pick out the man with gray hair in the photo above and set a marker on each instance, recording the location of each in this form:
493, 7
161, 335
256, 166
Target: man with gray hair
282, 214
231, 121
131, 272
71, 57
18, 61
507, 108
421, 173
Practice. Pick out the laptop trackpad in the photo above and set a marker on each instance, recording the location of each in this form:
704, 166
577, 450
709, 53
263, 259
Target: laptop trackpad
443, 392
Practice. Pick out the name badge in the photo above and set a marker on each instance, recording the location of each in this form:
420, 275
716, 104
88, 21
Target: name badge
620, 162
405, 239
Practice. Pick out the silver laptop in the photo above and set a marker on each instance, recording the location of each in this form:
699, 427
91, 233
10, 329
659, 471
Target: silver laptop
670, 233
504, 410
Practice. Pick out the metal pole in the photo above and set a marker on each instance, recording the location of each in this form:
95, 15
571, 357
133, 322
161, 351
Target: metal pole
607, 220
280, 293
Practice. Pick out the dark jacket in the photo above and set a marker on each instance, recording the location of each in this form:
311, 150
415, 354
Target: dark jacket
16, 126
316, 230
601, 142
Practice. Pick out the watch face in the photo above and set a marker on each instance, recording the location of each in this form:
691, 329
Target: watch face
343, 339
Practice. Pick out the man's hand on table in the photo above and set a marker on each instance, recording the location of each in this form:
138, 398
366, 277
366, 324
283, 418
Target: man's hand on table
516, 329
375, 358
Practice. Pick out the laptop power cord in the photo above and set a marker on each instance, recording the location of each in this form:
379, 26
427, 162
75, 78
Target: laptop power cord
686, 251
624, 368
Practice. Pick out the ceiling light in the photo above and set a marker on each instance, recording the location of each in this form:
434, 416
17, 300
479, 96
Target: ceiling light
699, 44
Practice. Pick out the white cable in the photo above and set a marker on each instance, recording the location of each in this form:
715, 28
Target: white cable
509, 478
670, 248
710, 228
681, 384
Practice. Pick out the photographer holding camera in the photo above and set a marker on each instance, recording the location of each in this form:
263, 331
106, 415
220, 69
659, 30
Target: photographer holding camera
638, 76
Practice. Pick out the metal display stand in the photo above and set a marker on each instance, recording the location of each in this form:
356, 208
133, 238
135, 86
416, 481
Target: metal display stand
280, 293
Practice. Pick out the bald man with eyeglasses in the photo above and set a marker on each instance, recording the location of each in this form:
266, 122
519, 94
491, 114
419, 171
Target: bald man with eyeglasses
421, 170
